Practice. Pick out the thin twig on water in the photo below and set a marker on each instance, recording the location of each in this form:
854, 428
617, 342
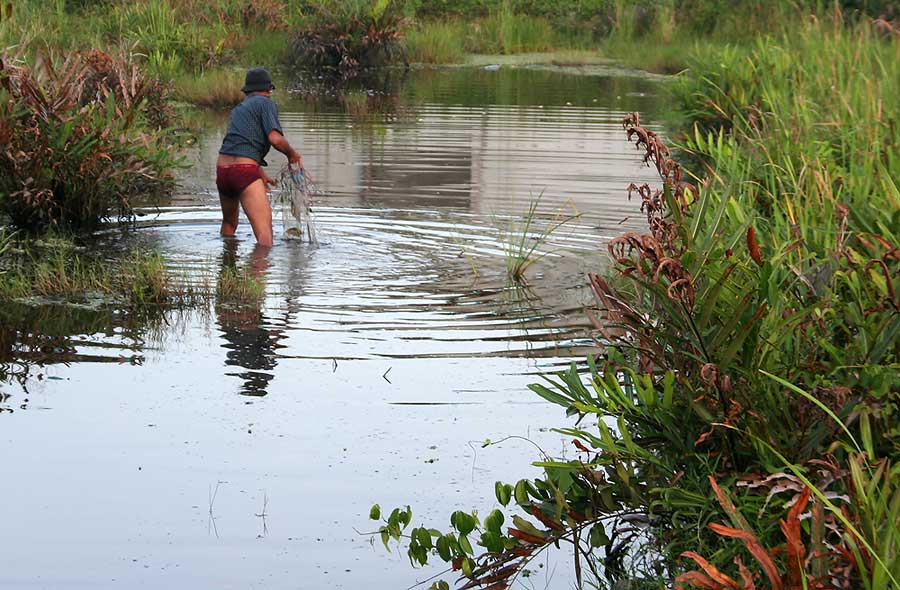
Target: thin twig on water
211, 495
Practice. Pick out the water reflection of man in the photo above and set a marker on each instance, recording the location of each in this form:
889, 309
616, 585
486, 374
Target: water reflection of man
250, 344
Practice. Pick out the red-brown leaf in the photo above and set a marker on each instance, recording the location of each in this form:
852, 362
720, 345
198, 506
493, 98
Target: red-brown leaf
696, 580
580, 446
746, 576
796, 552
757, 550
523, 536
711, 570
549, 522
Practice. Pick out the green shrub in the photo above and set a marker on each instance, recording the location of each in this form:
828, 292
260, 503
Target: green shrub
349, 36
80, 140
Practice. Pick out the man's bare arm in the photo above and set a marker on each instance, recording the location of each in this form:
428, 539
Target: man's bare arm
280, 143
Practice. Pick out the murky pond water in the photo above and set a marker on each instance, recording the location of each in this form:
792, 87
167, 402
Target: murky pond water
241, 448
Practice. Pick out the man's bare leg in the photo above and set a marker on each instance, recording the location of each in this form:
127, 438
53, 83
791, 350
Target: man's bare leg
256, 206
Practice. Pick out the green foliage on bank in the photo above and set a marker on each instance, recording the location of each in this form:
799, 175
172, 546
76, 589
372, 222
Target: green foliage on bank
173, 37
191, 36
188, 38
740, 429
81, 139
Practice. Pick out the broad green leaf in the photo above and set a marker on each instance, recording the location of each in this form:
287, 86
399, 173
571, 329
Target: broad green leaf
503, 492
423, 537
462, 522
443, 548
492, 541
468, 566
494, 521
465, 545
521, 492
598, 536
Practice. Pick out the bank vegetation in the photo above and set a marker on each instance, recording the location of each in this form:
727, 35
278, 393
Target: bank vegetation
740, 428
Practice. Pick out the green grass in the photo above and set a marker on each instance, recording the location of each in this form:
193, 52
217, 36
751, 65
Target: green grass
437, 42
262, 48
172, 37
220, 88
506, 32
660, 58
824, 139
238, 285
57, 268
450, 41
523, 240
664, 41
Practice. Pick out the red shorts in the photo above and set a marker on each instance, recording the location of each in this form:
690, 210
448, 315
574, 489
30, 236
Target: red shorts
231, 180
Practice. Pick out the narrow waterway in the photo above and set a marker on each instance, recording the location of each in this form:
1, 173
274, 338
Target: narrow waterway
242, 447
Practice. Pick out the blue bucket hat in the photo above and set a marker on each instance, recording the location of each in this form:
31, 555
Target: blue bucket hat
257, 80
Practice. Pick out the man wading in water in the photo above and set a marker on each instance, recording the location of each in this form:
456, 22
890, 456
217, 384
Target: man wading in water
252, 129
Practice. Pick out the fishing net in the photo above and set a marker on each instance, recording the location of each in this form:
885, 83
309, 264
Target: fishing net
295, 199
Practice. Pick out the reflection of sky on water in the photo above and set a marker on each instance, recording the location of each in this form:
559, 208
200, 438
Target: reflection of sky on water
365, 374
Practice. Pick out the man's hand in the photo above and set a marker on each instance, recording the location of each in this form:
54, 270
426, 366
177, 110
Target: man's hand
268, 181
295, 159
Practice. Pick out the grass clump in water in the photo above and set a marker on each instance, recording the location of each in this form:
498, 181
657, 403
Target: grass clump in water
54, 267
57, 267
345, 37
523, 244
237, 284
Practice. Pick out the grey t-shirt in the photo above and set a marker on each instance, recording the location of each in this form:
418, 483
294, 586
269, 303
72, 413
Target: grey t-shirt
249, 127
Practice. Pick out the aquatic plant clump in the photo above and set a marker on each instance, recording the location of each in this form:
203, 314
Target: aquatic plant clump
56, 268
81, 139
238, 285
346, 37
